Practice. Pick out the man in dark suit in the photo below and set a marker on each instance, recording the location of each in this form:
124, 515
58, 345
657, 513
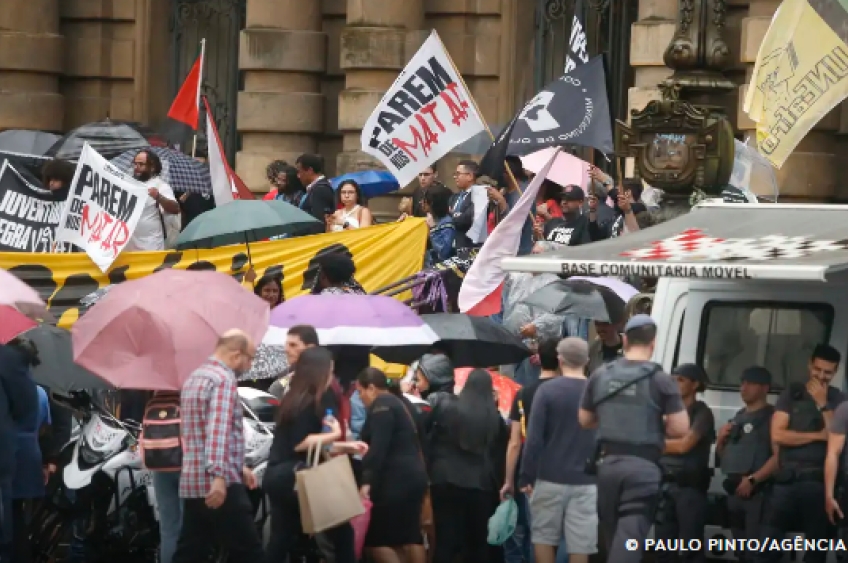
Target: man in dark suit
320, 200
461, 207
18, 398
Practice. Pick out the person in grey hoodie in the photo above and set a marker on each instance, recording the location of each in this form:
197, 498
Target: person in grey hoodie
434, 379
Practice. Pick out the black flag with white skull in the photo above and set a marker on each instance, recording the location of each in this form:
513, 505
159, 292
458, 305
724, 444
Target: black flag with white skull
578, 49
572, 110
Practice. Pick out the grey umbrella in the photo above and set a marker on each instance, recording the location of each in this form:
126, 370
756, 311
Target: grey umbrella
270, 362
28, 142
57, 369
579, 298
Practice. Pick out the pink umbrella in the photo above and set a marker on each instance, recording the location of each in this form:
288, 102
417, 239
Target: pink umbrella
17, 294
13, 323
567, 169
151, 333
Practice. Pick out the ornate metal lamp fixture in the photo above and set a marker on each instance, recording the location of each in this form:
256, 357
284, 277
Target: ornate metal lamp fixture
680, 145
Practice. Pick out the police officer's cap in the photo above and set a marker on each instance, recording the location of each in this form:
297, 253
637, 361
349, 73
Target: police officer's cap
757, 374
638, 321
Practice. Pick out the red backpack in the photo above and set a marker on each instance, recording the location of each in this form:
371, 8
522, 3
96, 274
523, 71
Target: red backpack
161, 440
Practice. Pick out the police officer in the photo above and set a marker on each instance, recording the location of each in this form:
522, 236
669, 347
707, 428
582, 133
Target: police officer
799, 427
682, 512
626, 401
835, 476
747, 458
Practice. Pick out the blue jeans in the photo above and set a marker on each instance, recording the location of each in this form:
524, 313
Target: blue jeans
519, 548
166, 488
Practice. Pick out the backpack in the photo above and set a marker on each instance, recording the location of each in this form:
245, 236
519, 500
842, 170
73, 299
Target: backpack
161, 439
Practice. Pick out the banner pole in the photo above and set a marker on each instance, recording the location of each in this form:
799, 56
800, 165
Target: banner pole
199, 90
485, 123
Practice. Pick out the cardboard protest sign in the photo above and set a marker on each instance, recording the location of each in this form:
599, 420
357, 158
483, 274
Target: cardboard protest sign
426, 113
28, 215
103, 209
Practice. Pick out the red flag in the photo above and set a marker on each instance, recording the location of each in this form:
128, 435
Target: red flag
185, 108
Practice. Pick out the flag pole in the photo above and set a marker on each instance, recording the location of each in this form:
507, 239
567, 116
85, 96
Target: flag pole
477, 109
199, 89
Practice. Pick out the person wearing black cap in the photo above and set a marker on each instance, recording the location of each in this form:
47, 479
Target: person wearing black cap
682, 513
634, 405
747, 457
626, 205
572, 229
800, 428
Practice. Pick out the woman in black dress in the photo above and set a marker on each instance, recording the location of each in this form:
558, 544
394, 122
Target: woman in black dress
393, 473
300, 425
464, 435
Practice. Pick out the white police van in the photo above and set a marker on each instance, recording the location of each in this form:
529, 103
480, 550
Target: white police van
739, 285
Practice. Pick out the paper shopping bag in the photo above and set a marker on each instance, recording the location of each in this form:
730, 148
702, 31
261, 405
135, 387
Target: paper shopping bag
327, 494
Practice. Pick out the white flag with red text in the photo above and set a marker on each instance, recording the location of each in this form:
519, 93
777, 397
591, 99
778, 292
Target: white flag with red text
424, 115
481, 290
223, 186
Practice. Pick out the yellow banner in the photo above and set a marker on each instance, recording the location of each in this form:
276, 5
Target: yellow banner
383, 254
800, 75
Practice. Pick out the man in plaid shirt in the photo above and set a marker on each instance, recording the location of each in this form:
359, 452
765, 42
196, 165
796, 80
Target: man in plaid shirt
214, 480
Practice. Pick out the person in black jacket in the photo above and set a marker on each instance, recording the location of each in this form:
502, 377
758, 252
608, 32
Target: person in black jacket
462, 209
320, 200
394, 477
18, 398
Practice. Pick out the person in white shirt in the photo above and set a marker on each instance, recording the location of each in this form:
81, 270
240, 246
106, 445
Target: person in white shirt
149, 233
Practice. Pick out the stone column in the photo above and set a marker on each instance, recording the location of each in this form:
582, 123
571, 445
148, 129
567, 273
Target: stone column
280, 111
31, 60
809, 174
333, 82
374, 50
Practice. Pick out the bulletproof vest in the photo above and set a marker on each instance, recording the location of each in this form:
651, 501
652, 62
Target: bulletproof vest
804, 416
632, 416
748, 447
698, 458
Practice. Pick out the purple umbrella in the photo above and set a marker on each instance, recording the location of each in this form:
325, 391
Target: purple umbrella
350, 319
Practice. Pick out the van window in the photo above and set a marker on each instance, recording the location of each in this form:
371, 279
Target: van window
779, 336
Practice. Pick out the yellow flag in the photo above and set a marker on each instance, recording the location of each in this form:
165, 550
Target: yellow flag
800, 75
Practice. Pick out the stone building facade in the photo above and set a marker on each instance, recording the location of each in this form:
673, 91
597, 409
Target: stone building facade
305, 74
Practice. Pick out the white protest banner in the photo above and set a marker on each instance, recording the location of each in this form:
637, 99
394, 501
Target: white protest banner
753, 172
425, 114
103, 208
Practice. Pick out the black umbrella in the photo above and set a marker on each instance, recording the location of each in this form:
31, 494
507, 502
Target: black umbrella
57, 369
579, 298
469, 342
27, 142
109, 138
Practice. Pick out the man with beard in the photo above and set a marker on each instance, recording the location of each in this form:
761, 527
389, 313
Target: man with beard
57, 175
150, 232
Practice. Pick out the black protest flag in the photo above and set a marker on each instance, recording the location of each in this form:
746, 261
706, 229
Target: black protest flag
28, 215
572, 110
578, 52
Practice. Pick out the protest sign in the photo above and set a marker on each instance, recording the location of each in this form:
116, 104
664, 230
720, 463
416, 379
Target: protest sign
28, 215
426, 113
63, 280
103, 209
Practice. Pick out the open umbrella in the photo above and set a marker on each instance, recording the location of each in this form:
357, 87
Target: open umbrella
57, 369
567, 168
373, 183
579, 298
19, 295
245, 221
270, 362
151, 333
26, 141
352, 320
109, 138
467, 340
505, 387
182, 172
13, 323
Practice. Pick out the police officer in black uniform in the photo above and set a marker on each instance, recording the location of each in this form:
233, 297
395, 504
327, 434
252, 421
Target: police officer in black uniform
747, 457
626, 400
799, 427
682, 512
836, 474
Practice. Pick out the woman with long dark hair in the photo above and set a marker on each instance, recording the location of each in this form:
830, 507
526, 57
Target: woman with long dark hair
463, 474
270, 288
393, 473
307, 407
